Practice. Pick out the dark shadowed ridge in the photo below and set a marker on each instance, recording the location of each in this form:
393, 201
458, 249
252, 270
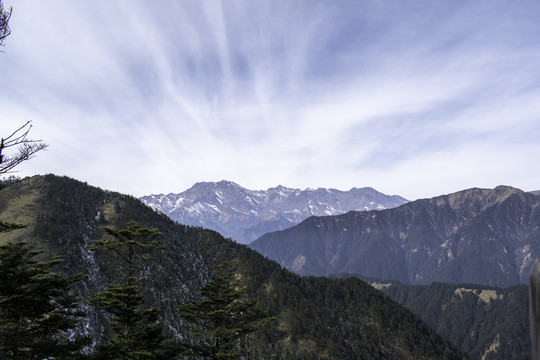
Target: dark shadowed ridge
483, 236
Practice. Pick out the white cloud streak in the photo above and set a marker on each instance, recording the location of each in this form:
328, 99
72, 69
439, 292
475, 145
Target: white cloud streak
416, 98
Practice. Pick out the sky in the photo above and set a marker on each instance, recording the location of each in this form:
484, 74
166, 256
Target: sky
414, 98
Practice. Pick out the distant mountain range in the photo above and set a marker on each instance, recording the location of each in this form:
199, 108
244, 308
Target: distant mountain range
481, 236
244, 215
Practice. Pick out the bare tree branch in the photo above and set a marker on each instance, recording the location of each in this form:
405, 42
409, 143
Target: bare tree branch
5, 15
26, 150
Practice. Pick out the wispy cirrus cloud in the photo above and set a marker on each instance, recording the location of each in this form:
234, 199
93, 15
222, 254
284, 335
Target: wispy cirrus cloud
411, 97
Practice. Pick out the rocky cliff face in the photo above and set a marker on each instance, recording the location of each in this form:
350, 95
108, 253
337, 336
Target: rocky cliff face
483, 236
244, 215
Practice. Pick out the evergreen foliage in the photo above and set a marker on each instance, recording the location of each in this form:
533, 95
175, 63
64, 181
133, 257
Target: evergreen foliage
316, 318
323, 318
36, 309
469, 322
135, 332
129, 249
223, 317
5, 227
71, 215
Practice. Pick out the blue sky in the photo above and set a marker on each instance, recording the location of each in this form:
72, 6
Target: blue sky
416, 98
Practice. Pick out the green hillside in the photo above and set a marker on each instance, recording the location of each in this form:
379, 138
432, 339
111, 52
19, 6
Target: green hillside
316, 318
486, 322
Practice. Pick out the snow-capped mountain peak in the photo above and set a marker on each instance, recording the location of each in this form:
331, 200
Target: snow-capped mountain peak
244, 214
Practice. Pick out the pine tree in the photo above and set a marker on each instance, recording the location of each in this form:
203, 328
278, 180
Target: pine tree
223, 318
135, 332
6, 227
36, 308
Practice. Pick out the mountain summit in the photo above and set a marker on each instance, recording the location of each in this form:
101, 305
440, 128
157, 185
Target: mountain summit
244, 215
482, 236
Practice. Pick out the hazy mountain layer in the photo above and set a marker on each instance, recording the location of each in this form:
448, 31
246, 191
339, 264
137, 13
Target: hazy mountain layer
244, 215
481, 236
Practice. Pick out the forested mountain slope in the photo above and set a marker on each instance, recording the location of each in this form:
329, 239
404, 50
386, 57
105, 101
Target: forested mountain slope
486, 322
316, 318
328, 318
482, 236
64, 216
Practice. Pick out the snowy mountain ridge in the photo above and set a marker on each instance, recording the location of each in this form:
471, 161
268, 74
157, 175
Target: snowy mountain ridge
244, 214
